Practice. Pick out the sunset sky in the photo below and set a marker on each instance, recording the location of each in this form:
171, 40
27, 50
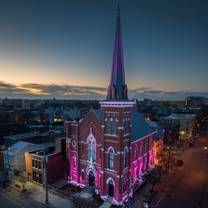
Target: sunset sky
63, 48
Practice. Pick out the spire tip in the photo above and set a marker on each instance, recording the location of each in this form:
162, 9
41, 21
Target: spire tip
118, 10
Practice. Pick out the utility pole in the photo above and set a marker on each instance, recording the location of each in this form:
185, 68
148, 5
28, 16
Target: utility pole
8, 164
46, 176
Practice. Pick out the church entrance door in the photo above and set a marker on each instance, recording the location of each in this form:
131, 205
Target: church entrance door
91, 179
110, 189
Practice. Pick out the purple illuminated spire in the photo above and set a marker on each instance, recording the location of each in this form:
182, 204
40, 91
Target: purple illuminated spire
117, 89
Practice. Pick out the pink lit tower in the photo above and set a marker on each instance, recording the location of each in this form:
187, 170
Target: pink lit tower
111, 147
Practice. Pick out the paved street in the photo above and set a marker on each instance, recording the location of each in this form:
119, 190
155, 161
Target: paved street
11, 198
188, 187
7, 203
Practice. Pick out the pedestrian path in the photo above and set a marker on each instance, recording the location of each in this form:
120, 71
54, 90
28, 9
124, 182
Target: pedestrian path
106, 204
56, 200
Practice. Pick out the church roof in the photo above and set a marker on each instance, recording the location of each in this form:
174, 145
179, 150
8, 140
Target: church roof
140, 127
98, 113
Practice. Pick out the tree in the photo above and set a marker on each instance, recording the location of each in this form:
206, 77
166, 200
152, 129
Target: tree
166, 159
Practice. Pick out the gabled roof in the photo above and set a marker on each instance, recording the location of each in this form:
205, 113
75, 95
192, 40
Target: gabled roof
18, 146
98, 113
140, 127
21, 146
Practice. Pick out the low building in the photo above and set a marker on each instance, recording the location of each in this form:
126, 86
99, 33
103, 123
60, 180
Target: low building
36, 161
196, 101
186, 124
14, 156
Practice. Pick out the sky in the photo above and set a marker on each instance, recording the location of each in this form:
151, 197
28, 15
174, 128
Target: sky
64, 48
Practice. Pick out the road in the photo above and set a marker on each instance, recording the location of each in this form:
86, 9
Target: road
7, 203
188, 186
12, 199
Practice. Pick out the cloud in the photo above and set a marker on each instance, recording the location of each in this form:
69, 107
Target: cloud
36, 90
54, 89
46, 91
10, 89
140, 89
166, 95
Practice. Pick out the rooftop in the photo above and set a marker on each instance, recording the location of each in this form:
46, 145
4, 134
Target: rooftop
22, 136
180, 116
140, 127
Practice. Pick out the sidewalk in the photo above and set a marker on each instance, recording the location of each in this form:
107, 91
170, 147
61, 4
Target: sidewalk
37, 193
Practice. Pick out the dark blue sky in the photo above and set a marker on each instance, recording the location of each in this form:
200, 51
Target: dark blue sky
64, 43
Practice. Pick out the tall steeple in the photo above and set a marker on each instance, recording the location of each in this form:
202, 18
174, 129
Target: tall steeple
117, 89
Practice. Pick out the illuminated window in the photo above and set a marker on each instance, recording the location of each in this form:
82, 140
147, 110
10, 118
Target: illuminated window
74, 162
125, 157
91, 149
36, 164
111, 159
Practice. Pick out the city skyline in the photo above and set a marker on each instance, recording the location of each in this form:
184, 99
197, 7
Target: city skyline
65, 49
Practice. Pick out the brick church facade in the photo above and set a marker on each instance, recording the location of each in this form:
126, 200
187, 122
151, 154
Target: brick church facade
111, 147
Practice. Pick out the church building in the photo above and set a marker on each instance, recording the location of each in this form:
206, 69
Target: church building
112, 147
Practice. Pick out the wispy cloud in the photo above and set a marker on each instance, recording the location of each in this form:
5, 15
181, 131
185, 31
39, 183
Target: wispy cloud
166, 95
42, 91
35, 90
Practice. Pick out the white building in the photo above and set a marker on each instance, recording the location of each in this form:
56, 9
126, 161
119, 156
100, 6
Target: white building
14, 155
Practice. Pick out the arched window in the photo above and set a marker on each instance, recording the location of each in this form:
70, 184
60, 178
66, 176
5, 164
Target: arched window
114, 126
108, 125
111, 159
82, 175
126, 125
74, 162
91, 149
125, 157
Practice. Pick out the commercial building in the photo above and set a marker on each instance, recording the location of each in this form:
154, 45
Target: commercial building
36, 162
